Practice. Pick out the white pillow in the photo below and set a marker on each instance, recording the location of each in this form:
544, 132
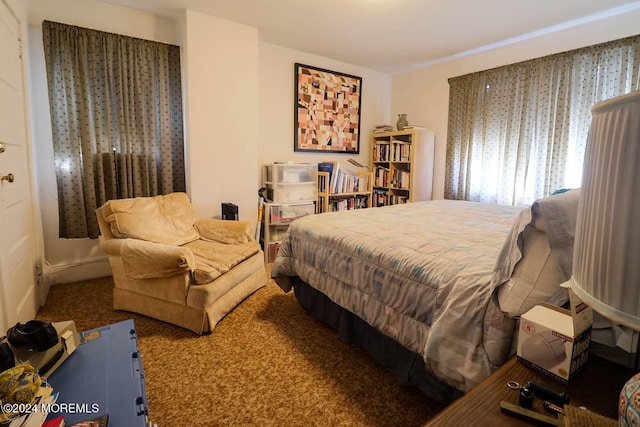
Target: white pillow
535, 278
537, 254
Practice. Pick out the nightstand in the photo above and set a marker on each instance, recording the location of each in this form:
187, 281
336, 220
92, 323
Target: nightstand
596, 386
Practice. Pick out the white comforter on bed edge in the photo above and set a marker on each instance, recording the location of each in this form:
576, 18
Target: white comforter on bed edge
420, 272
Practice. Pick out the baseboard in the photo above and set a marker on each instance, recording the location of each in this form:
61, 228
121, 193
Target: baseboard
75, 272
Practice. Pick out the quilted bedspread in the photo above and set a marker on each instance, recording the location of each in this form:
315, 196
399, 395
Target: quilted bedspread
418, 272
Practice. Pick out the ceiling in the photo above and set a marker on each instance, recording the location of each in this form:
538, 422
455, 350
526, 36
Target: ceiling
394, 35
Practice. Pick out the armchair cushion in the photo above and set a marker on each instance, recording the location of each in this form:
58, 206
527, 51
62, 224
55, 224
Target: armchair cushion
167, 219
146, 260
230, 232
213, 259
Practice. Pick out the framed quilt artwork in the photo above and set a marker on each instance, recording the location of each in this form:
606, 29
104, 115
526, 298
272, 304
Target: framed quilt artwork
327, 110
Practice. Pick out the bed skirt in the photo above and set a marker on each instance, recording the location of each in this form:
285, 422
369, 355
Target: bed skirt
407, 366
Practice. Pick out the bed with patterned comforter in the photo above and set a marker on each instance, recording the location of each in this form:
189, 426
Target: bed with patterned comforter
422, 273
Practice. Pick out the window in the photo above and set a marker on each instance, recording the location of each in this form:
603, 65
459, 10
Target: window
116, 116
518, 133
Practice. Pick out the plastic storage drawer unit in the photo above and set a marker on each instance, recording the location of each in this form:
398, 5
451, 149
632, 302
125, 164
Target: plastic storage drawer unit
290, 173
277, 218
284, 214
291, 182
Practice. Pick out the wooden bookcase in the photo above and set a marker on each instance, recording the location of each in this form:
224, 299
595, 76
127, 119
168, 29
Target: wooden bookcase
402, 165
328, 201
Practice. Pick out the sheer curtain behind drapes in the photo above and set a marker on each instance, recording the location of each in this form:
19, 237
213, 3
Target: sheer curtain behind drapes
116, 113
518, 133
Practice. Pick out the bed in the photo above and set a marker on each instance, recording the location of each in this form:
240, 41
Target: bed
431, 289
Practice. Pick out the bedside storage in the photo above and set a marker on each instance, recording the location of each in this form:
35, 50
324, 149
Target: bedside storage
103, 375
277, 217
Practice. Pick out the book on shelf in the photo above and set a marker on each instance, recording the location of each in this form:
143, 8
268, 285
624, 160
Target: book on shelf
401, 151
327, 166
348, 203
381, 152
332, 167
401, 179
381, 176
333, 182
349, 182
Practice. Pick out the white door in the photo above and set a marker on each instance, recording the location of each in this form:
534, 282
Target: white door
18, 299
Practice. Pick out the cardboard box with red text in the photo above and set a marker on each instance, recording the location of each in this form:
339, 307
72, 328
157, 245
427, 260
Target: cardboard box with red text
554, 340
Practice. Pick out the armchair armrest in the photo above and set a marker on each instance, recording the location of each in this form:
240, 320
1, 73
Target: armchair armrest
145, 260
229, 232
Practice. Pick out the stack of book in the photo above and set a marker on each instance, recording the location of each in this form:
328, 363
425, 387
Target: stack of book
383, 128
411, 127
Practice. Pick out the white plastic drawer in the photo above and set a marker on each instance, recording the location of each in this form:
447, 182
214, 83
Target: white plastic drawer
291, 173
292, 192
279, 214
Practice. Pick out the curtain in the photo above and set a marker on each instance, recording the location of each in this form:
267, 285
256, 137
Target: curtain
518, 133
116, 117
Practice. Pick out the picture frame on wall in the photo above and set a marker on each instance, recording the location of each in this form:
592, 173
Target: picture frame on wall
326, 110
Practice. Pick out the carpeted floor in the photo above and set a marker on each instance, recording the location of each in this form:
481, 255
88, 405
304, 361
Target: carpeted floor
267, 363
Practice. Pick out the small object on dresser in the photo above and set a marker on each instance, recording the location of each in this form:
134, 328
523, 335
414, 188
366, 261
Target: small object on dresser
527, 414
525, 398
552, 408
546, 393
402, 121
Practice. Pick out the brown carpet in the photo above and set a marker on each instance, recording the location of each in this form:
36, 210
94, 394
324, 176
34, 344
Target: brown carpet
267, 363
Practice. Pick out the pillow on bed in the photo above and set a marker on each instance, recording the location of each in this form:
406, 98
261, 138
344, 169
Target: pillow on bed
535, 278
537, 255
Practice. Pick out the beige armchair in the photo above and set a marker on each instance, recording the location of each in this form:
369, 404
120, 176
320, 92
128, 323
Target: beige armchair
168, 265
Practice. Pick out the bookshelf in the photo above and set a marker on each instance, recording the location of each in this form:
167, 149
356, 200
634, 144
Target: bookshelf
402, 165
359, 198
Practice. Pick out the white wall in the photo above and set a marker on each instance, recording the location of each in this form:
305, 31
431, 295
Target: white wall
424, 94
221, 120
275, 139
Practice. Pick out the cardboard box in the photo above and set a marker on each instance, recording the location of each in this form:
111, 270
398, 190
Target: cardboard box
555, 341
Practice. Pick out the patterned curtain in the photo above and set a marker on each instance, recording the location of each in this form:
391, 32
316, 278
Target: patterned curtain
116, 116
517, 133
